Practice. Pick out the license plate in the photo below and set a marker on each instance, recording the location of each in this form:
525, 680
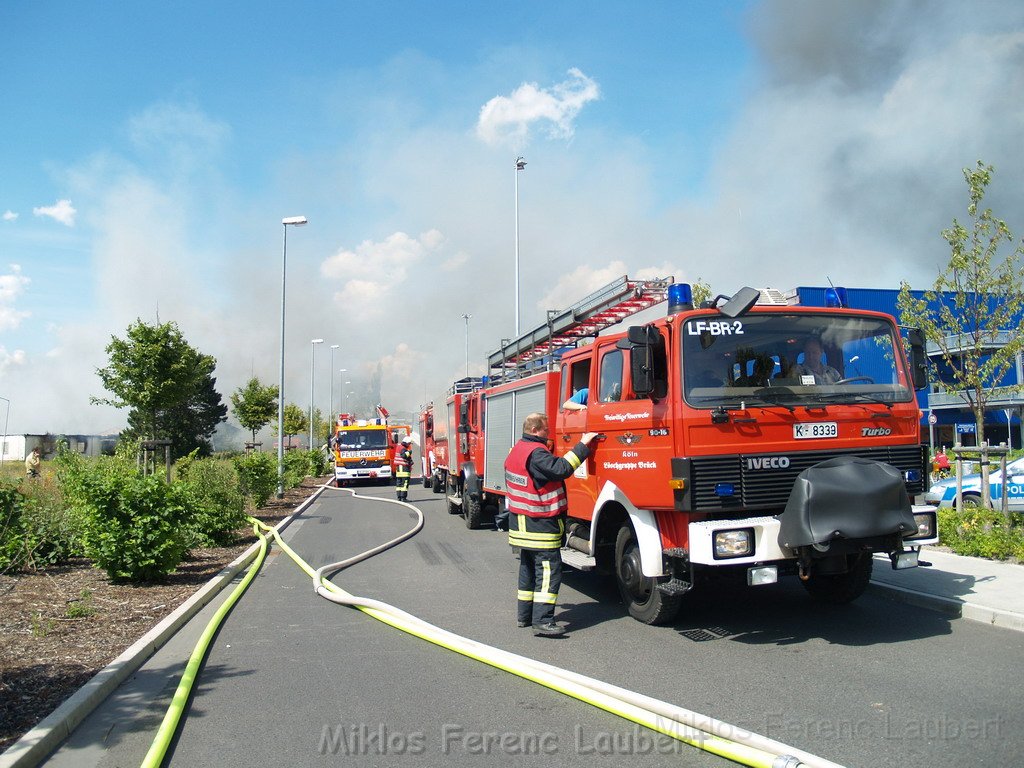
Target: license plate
812, 430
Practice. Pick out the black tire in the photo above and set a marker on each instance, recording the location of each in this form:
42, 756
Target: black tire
472, 512
842, 588
426, 482
971, 500
640, 593
437, 484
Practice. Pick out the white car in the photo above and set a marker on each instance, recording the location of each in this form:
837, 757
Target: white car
943, 493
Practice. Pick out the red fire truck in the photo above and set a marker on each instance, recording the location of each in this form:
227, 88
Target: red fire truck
433, 448
724, 445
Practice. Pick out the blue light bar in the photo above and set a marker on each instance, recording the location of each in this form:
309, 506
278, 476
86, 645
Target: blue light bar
912, 475
680, 297
724, 489
835, 297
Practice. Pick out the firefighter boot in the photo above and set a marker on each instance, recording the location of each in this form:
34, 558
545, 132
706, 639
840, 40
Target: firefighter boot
549, 629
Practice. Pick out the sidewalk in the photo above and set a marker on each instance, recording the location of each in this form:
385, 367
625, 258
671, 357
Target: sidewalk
969, 587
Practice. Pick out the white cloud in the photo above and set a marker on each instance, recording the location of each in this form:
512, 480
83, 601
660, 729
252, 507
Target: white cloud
168, 124
11, 287
61, 211
11, 359
510, 117
10, 215
374, 269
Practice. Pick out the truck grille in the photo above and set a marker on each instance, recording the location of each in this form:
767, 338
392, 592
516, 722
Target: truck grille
769, 486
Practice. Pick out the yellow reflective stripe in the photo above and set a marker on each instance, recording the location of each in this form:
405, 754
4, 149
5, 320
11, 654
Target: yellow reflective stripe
532, 544
545, 584
546, 597
553, 536
573, 459
524, 595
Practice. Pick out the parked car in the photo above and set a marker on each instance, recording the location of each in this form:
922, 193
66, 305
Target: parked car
943, 493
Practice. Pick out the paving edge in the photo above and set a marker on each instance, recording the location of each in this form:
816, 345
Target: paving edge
961, 609
36, 745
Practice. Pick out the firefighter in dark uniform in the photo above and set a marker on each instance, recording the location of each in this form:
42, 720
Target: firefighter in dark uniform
403, 468
537, 507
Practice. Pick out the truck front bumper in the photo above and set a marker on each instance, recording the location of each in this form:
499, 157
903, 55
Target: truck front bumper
361, 473
762, 533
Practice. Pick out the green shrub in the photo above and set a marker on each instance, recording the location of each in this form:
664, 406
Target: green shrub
214, 490
982, 532
37, 528
296, 468
135, 528
257, 473
12, 543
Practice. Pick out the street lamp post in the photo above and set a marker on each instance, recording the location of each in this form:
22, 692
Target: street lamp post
520, 165
312, 377
342, 371
291, 221
466, 318
333, 415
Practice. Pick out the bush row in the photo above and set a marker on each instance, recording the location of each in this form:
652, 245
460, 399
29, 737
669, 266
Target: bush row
136, 527
982, 532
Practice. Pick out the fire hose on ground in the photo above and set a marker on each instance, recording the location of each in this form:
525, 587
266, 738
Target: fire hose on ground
700, 731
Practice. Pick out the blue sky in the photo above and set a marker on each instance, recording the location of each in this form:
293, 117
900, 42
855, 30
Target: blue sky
150, 152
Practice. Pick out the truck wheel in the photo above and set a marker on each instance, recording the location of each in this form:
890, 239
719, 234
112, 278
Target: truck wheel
842, 588
472, 511
640, 593
426, 481
438, 484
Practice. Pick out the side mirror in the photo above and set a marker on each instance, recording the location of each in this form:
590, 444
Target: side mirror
740, 303
643, 341
918, 358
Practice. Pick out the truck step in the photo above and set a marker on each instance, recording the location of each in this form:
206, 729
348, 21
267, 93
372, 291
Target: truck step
578, 560
455, 500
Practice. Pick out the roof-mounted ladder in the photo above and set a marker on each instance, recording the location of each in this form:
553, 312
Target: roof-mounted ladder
601, 309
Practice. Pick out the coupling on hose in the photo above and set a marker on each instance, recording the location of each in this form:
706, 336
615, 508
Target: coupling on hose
786, 761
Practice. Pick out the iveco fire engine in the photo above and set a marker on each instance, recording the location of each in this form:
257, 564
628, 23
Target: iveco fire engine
718, 449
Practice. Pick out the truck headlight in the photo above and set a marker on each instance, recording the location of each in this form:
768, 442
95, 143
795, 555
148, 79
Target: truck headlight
736, 543
925, 522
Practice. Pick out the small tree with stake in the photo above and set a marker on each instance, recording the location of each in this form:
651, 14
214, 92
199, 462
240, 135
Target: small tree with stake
254, 405
978, 294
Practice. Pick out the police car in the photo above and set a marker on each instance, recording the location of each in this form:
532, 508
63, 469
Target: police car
943, 493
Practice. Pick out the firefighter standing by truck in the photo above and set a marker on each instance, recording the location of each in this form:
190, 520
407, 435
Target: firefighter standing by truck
537, 507
403, 468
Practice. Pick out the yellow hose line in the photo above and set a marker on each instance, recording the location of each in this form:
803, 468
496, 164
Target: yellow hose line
510, 663
158, 749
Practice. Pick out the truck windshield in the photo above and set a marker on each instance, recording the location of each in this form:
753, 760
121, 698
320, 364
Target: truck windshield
791, 359
363, 439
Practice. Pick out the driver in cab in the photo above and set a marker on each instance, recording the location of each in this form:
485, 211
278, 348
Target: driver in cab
814, 369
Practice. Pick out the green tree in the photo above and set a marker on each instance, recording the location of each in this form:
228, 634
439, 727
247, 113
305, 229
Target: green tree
977, 295
701, 292
254, 405
167, 384
191, 424
295, 420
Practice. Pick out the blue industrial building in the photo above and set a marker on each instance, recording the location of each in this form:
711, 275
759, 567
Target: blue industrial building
946, 416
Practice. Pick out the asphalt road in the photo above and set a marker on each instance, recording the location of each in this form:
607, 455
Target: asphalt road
293, 679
